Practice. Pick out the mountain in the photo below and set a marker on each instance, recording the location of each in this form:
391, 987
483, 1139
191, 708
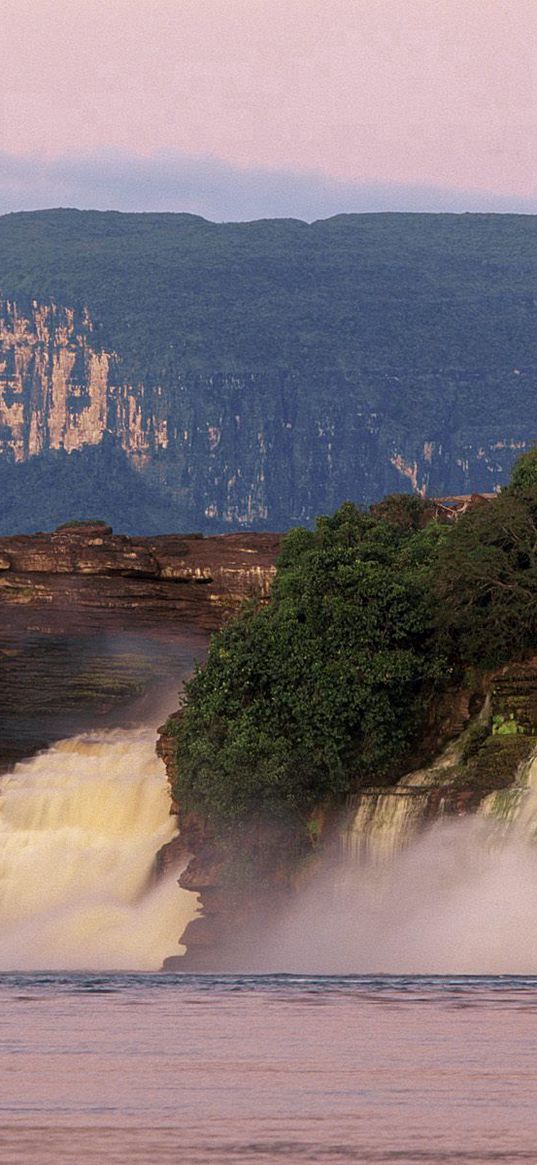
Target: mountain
163, 372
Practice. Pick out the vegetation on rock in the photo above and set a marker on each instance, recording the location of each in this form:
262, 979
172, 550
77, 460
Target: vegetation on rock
83, 524
325, 689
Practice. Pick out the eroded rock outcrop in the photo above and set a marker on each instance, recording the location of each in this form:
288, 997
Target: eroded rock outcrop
244, 877
84, 572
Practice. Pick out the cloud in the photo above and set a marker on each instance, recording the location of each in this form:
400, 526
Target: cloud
171, 181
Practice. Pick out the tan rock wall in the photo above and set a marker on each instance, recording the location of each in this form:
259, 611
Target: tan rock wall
56, 387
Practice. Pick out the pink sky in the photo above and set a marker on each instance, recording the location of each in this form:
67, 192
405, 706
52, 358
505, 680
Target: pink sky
434, 92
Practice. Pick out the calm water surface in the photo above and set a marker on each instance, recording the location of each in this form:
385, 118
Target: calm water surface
204, 1069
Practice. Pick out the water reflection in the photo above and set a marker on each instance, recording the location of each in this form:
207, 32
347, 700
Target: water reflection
198, 1069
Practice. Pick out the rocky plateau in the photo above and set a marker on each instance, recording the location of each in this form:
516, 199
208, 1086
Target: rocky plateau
84, 574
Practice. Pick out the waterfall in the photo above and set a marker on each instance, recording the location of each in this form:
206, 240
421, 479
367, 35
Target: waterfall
381, 822
514, 810
80, 825
415, 889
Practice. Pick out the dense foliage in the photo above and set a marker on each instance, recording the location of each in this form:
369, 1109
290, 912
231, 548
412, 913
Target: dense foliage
371, 615
485, 580
98, 480
321, 687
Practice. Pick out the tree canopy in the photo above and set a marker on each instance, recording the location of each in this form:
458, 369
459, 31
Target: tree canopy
322, 687
325, 689
485, 580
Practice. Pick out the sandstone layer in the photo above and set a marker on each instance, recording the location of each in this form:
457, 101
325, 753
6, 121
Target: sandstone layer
84, 574
98, 629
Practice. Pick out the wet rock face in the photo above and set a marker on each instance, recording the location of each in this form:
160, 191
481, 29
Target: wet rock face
243, 879
92, 622
244, 876
84, 572
514, 699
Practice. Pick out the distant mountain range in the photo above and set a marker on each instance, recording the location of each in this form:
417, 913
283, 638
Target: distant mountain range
166, 373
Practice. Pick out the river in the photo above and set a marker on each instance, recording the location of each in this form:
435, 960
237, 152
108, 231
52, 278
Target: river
165, 1069
116, 1067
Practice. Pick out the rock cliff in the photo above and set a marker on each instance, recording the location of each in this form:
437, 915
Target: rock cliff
84, 574
255, 375
244, 878
100, 629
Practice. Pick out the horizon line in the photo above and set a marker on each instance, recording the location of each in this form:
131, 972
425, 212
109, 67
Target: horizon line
44, 210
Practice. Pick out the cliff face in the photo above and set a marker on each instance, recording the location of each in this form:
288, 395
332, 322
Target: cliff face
244, 877
85, 575
254, 375
206, 445
53, 385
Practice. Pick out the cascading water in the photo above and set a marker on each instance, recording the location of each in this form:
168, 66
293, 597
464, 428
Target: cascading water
405, 895
80, 825
382, 822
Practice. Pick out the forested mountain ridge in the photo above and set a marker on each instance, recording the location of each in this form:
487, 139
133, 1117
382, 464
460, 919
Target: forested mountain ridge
175, 373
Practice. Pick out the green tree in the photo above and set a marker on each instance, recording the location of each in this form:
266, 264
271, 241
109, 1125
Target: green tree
325, 688
524, 474
322, 689
405, 510
485, 581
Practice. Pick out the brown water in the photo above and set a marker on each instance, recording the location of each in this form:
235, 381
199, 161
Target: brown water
198, 1070
53, 686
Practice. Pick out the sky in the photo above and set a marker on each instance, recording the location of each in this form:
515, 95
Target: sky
239, 109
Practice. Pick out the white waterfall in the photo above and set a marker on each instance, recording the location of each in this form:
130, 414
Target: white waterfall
383, 821
80, 825
409, 894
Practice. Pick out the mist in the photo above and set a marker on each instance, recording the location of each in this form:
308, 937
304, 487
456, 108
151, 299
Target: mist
460, 899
